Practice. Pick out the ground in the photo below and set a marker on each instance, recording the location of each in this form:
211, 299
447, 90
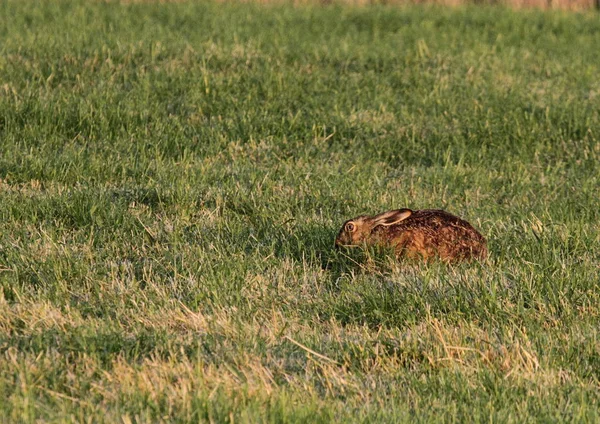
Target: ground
172, 177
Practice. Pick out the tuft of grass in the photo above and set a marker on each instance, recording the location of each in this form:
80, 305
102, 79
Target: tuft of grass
172, 176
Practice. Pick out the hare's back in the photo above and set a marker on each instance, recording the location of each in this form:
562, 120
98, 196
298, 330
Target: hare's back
437, 232
440, 226
435, 218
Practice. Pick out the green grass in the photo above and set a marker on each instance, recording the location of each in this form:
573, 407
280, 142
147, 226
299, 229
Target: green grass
172, 177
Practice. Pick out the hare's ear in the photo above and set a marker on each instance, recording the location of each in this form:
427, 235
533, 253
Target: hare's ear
391, 217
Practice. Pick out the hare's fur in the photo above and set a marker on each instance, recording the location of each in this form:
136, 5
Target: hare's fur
423, 234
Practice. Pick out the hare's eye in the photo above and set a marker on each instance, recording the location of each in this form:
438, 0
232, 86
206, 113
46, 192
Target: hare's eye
350, 227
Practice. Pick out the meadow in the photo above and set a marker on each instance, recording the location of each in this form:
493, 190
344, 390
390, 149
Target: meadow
172, 177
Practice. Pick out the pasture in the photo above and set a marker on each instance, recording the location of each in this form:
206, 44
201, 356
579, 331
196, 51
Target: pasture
172, 177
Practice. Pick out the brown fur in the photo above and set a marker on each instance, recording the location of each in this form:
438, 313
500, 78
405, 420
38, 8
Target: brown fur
425, 234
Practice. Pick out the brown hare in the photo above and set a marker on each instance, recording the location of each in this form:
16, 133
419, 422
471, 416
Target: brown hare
425, 234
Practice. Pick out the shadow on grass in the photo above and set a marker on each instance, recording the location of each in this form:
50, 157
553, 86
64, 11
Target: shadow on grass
150, 197
314, 244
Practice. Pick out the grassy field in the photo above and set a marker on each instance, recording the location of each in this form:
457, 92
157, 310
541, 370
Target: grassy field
172, 177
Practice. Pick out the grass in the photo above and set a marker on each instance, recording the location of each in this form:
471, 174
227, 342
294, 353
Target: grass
172, 177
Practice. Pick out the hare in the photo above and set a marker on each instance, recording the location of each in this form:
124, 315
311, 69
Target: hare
421, 234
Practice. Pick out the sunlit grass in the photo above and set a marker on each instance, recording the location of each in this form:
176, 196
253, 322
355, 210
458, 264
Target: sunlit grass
172, 176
